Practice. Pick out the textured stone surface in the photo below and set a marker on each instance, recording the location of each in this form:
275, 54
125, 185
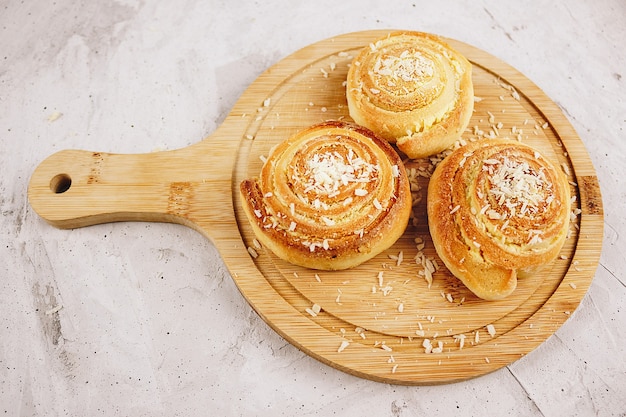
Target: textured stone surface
143, 319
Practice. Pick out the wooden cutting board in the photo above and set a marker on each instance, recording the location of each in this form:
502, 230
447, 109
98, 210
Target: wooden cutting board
378, 320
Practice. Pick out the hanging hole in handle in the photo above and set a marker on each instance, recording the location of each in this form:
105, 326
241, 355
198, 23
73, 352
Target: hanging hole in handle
60, 183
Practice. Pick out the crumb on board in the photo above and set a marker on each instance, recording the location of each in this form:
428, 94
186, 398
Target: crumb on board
344, 344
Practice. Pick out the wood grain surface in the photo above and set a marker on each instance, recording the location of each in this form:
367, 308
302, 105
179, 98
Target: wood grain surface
378, 320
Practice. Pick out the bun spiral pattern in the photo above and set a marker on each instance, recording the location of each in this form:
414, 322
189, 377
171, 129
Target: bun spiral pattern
413, 89
496, 208
330, 197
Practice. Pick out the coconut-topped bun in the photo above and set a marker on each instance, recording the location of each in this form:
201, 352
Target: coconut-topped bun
497, 208
330, 197
413, 89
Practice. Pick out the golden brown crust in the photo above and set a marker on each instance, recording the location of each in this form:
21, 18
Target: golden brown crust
497, 208
330, 197
413, 89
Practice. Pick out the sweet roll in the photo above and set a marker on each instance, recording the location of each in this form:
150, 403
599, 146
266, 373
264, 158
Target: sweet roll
497, 208
330, 197
413, 89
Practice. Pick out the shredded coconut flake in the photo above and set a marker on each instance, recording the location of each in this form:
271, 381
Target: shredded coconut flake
409, 67
344, 344
327, 172
314, 310
460, 338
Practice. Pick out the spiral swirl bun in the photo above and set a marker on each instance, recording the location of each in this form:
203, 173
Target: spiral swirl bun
496, 208
413, 89
330, 197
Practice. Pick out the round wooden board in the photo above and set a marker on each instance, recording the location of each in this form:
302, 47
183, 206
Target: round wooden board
376, 319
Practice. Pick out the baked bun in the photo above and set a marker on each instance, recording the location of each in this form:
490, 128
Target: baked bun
330, 197
497, 208
413, 89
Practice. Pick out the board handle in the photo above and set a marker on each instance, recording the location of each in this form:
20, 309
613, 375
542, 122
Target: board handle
76, 188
